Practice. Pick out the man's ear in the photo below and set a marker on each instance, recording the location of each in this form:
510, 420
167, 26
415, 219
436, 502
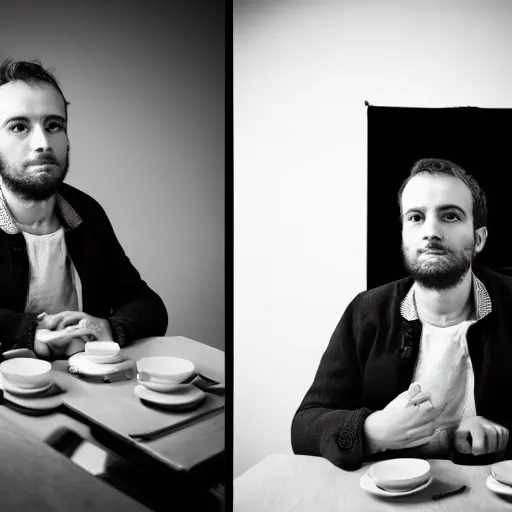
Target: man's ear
480, 238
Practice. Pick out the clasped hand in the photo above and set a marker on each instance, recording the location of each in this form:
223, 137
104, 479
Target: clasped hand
486, 436
66, 333
406, 422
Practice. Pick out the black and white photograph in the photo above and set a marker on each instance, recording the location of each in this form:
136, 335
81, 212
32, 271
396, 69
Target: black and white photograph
372, 269
112, 256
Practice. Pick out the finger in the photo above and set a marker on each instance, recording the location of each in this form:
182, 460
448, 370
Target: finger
478, 433
419, 398
461, 441
70, 319
426, 413
503, 439
491, 440
414, 389
49, 321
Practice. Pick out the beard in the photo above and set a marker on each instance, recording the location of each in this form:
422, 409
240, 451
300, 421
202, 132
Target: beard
443, 272
31, 187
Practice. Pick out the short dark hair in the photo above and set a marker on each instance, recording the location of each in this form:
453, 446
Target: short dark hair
25, 71
441, 166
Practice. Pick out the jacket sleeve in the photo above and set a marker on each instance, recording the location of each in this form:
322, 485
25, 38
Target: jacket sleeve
329, 421
17, 330
138, 312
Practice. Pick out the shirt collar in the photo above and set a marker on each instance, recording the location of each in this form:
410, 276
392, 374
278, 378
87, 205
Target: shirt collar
480, 295
67, 212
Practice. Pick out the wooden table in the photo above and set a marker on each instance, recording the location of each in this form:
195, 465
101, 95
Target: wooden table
300, 483
35, 477
197, 449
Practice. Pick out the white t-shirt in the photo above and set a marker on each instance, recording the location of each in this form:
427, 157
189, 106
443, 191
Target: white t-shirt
444, 369
52, 285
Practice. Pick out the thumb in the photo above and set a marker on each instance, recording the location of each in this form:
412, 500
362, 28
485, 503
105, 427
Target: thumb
461, 441
414, 389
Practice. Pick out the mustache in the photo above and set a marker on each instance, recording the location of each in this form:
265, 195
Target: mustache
44, 160
433, 246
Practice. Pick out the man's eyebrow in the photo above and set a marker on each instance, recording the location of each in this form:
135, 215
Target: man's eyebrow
24, 119
452, 207
439, 208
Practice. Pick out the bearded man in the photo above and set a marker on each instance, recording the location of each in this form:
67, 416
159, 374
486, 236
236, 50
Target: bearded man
62, 269
418, 367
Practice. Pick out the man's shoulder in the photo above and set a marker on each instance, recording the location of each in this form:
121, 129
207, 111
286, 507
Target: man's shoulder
498, 282
387, 296
83, 203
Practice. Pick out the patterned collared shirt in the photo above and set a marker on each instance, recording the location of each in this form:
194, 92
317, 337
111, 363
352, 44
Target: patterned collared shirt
67, 212
480, 294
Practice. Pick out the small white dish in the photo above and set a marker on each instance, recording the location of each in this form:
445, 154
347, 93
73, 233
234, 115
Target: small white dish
160, 387
27, 373
369, 485
11, 388
45, 403
104, 359
502, 472
497, 487
170, 370
84, 366
188, 396
400, 475
102, 348
39, 404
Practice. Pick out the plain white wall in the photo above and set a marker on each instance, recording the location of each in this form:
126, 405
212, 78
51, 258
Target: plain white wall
146, 123
302, 71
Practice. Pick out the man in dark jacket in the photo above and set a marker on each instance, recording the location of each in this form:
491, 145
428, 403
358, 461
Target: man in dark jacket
64, 277
419, 367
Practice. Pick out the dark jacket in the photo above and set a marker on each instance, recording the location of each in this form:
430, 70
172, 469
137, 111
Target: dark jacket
111, 286
371, 359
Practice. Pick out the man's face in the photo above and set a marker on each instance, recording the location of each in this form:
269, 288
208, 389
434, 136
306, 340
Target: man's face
34, 147
438, 239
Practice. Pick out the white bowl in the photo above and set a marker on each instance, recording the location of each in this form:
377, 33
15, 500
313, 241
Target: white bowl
502, 472
27, 373
399, 475
168, 370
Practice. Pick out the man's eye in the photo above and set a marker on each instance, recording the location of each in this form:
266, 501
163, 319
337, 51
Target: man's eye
18, 128
54, 127
451, 216
415, 218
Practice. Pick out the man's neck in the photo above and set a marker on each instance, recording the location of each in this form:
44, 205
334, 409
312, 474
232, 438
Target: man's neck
37, 217
446, 307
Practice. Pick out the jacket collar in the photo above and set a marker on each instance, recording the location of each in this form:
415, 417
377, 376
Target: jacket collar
67, 212
480, 295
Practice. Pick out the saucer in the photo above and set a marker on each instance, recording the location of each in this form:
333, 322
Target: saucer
103, 359
369, 485
497, 487
160, 387
83, 365
46, 402
186, 397
15, 390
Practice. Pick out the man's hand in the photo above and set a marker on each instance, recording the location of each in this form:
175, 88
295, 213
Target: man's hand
99, 327
486, 436
406, 422
66, 342
66, 333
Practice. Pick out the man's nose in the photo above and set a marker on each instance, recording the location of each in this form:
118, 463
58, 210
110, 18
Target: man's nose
39, 140
432, 229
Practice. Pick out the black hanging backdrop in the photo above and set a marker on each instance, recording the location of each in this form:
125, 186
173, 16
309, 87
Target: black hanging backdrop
479, 140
